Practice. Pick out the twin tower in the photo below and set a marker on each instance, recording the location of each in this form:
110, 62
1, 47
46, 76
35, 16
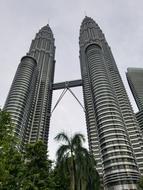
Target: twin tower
113, 133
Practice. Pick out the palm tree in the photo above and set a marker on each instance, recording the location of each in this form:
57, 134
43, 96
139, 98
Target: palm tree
76, 161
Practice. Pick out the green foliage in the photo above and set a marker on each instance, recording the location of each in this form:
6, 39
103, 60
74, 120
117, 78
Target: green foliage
6, 130
11, 162
140, 184
61, 179
30, 170
76, 164
38, 168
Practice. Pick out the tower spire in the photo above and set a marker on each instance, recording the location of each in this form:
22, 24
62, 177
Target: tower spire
31, 92
110, 118
85, 13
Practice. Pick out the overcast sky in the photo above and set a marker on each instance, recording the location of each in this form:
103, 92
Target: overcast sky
120, 20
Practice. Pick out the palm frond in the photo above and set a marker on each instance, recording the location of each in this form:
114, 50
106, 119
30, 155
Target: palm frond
77, 162
77, 140
62, 151
62, 137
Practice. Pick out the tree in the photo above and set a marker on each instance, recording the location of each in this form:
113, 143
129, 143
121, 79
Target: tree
11, 161
38, 168
140, 184
28, 170
76, 162
32, 170
60, 178
6, 130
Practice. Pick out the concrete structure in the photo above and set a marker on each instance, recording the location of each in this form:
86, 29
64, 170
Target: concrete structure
139, 116
135, 80
113, 132
30, 96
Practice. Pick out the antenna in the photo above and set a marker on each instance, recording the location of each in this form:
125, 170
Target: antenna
85, 13
48, 21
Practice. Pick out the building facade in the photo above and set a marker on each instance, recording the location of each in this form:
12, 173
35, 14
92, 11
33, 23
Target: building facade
113, 132
139, 116
135, 81
29, 99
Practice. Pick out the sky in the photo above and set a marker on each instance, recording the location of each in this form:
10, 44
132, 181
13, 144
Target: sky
120, 20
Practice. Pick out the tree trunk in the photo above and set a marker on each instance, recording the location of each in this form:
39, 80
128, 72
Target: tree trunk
73, 168
74, 172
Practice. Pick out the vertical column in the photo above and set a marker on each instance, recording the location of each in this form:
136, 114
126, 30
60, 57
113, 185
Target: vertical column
19, 94
110, 121
43, 49
118, 160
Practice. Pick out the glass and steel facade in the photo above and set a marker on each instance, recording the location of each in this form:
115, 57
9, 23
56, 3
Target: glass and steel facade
113, 133
139, 116
30, 96
135, 80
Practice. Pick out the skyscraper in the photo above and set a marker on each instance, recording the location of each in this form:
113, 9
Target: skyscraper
30, 96
113, 133
139, 116
135, 80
